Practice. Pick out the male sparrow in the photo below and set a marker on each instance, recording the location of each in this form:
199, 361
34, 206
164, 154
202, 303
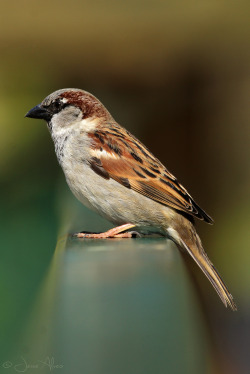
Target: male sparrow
113, 173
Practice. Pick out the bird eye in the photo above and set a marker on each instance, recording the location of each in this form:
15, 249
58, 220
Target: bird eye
56, 106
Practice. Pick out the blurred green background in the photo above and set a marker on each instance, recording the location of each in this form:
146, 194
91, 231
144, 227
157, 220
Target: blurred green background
176, 74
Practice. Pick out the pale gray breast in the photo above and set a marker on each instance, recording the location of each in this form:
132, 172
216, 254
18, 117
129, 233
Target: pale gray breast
60, 144
107, 197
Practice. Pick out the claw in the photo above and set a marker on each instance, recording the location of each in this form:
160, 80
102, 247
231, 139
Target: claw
116, 232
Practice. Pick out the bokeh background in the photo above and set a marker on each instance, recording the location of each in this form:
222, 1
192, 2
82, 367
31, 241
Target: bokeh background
176, 74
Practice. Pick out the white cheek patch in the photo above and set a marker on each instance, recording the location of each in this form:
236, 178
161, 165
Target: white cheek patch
64, 100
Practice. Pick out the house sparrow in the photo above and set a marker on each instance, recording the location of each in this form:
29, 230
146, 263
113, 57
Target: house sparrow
114, 174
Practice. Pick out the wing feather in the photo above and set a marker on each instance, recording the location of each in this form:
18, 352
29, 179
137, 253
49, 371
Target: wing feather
125, 159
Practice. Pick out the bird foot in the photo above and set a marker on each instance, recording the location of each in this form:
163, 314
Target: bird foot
116, 232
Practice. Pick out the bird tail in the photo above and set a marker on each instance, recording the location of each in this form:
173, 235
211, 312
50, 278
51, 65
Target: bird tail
192, 244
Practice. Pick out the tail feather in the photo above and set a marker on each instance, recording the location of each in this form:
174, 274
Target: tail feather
196, 251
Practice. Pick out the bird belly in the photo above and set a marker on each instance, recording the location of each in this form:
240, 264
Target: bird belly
113, 201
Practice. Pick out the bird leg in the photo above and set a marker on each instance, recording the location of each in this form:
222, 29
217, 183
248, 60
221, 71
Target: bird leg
116, 232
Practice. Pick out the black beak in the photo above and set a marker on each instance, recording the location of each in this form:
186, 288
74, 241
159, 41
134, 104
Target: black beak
39, 112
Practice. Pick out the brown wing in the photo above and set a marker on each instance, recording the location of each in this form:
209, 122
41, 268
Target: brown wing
119, 155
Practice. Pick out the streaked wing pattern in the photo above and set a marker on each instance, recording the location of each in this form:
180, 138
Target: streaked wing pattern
117, 154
